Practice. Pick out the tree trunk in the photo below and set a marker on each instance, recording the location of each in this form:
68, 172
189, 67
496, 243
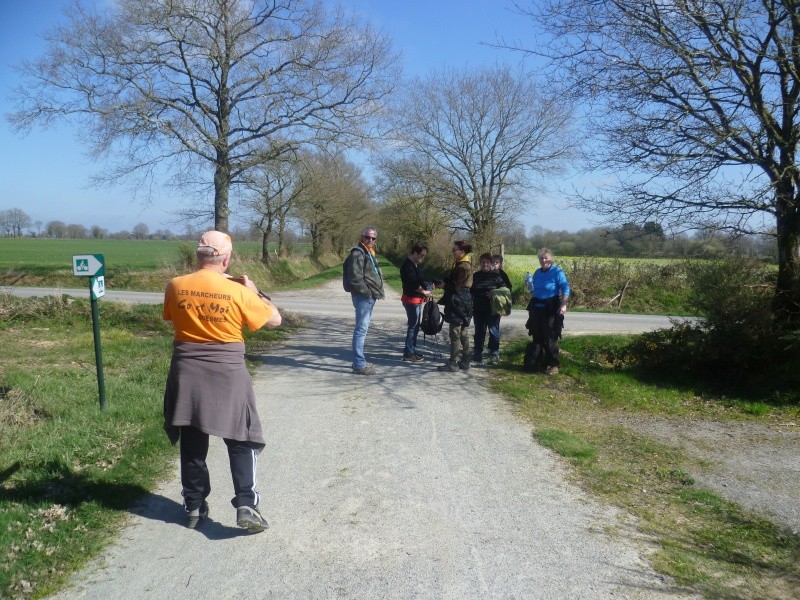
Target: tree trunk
316, 242
222, 185
265, 244
786, 303
281, 237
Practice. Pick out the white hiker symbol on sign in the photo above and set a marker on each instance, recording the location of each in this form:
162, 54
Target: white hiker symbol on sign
98, 287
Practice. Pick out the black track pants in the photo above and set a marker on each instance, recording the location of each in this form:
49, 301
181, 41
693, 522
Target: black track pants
243, 457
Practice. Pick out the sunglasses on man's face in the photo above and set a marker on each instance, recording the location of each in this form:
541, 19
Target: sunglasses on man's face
369, 237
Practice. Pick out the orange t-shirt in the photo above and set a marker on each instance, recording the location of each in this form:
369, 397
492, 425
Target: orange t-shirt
206, 306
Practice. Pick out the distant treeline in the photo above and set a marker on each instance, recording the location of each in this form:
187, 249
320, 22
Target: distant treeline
639, 241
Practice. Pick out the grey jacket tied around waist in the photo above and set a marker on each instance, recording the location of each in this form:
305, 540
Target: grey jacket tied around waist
209, 388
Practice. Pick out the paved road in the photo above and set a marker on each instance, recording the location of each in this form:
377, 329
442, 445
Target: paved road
335, 304
412, 484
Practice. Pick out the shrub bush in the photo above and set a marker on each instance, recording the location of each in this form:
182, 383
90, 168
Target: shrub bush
736, 344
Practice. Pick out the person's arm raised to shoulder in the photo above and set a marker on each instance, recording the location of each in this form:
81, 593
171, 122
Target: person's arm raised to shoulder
275, 318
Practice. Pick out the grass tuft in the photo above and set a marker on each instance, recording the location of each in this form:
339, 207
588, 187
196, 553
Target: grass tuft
566, 444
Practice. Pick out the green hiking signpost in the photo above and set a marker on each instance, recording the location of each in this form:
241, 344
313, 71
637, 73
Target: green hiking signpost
92, 266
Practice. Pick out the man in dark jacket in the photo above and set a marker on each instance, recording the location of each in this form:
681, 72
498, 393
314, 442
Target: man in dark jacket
365, 282
457, 302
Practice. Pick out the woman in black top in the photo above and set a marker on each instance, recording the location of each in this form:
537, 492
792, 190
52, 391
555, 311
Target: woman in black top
415, 294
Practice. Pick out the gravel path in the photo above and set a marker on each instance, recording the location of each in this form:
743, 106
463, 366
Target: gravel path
408, 484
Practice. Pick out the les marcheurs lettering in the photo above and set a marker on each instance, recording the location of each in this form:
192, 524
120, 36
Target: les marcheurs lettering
213, 307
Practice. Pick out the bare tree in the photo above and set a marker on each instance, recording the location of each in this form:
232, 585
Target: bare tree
76, 231
695, 103
56, 229
140, 231
215, 84
477, 140
334, 203
275, 187
409, 211
14, 220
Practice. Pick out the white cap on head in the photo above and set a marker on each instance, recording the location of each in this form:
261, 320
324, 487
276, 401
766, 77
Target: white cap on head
215, 243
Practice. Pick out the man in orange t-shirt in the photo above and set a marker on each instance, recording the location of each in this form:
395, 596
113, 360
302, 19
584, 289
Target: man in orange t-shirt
209, 391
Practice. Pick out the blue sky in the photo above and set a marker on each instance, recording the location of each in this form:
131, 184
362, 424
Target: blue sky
46, 173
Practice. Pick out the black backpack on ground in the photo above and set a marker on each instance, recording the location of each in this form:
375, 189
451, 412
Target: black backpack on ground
432, 319
534, 358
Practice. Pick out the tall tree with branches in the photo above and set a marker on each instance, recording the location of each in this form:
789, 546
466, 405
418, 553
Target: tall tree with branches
694, 104
274, 189
335, 201
223, 84
478, 140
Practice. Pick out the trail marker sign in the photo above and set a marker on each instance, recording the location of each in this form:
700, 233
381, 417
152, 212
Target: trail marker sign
98, 287
92, 265
88, 265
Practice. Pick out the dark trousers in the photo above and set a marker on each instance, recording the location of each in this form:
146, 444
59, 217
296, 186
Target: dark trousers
243, 457
545, 334
485, 320
413, 313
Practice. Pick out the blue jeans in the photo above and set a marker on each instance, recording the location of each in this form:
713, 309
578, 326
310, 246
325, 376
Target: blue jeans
413, 312
363, 308
484, 321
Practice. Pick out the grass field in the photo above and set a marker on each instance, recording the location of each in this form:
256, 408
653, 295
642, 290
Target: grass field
45, 255
139, 265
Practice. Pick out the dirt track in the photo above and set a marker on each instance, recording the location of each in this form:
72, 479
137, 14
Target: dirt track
414, 484
408, 484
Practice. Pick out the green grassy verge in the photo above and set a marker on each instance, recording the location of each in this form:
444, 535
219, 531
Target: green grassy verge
705, 542
69, 471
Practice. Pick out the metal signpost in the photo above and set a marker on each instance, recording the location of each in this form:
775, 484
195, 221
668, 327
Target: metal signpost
92, 266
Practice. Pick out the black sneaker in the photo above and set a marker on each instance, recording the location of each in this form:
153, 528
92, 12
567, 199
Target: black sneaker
248, 517
412, 358
193, 517
464, 366
448, 368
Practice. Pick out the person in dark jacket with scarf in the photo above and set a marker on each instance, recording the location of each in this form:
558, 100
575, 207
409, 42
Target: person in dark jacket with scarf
483, 282
457, 302
366, 286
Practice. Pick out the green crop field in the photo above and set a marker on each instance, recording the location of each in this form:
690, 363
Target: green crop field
530, 262
37, 255
52, 255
